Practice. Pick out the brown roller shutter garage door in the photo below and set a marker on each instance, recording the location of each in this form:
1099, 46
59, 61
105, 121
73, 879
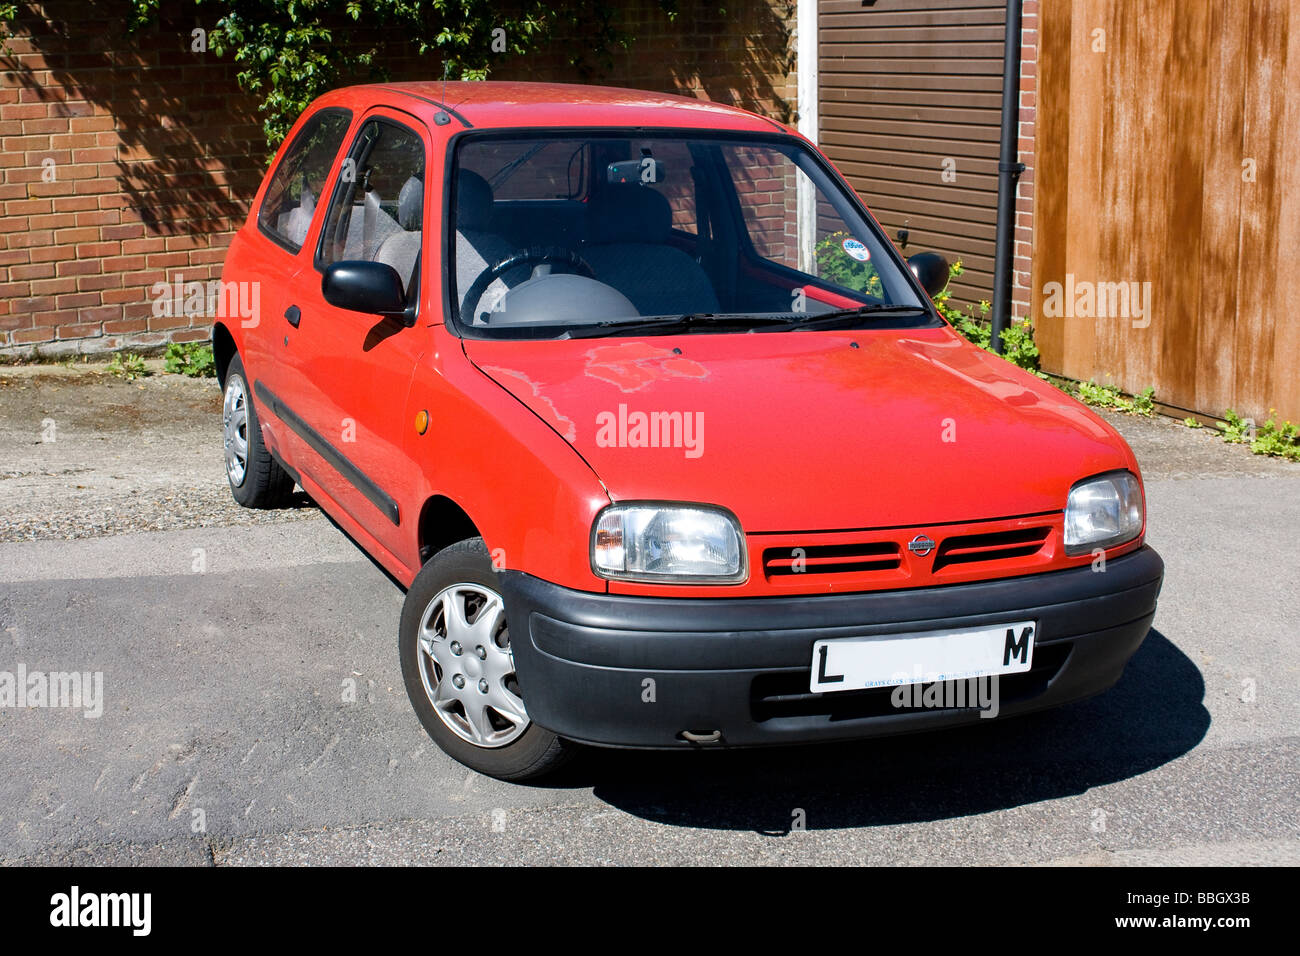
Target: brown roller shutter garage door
909, 90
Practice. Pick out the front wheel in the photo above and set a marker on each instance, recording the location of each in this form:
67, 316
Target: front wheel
459, 671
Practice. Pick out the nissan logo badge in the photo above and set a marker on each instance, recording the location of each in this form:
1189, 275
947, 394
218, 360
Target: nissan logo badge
921, 545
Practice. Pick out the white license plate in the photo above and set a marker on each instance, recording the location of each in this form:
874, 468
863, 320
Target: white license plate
887, 660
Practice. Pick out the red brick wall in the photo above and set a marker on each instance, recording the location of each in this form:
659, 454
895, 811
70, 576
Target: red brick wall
743, 56
123, 164
1024, 238
154, 154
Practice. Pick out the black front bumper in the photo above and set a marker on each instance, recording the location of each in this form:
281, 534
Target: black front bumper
741, 666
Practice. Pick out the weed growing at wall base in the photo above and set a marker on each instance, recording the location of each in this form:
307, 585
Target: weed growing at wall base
127, 366
1270, 438
193, 359
1110, 396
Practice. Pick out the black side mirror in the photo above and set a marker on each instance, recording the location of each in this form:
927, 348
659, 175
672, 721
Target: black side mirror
361, 286
931, 270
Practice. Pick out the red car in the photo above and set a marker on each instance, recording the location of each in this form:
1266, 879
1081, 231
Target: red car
665, 439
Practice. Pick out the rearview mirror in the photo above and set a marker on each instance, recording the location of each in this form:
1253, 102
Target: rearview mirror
931, 270
361, 286
644, 170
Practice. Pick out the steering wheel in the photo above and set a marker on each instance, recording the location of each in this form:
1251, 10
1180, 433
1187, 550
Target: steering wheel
527, 257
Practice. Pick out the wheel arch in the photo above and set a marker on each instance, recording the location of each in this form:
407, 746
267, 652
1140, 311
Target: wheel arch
223, 350
442, 522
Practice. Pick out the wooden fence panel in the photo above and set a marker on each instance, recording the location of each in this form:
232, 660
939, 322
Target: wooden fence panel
1166, 153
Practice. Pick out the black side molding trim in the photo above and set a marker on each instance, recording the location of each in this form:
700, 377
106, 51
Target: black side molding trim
338, 461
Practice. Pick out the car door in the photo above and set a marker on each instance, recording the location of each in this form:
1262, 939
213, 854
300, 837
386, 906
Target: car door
287, 218
355, 369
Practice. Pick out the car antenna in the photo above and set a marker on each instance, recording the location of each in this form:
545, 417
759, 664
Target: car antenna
441, 118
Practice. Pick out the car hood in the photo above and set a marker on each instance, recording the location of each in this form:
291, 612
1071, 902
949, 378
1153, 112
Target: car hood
805, 431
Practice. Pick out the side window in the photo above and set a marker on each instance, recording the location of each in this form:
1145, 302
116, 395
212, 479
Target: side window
377, 210
290, 201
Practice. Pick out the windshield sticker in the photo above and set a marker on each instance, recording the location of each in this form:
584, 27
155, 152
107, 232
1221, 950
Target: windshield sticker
856, 249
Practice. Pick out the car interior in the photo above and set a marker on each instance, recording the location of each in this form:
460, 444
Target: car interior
614, 217
682, 219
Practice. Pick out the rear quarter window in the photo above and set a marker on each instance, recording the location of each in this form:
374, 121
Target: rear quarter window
296, 185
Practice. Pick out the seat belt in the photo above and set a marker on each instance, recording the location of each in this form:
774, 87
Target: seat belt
369, 223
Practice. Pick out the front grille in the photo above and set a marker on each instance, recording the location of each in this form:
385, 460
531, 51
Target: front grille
832, 559
991, 546
914, 556
786, 694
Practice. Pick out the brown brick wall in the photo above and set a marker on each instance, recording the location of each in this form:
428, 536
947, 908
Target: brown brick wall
1022, 264
150, 153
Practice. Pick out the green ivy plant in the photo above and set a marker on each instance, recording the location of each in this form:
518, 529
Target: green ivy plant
8, 13
291, 51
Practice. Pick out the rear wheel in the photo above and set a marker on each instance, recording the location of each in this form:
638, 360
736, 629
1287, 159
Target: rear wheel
459, 670
256, 479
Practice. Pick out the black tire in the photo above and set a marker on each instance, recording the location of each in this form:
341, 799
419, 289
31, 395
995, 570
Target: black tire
264, 484
536, 751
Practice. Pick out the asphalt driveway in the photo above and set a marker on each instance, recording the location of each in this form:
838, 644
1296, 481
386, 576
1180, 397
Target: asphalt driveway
253, 709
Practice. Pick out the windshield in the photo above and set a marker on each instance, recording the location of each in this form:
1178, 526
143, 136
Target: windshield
605, 233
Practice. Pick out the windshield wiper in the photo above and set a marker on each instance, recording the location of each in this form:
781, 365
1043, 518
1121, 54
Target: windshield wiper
844, 318
691, 321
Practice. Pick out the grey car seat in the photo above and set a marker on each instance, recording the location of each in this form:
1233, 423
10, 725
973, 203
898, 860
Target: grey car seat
476, 248
401, 248
628, 249
294, 224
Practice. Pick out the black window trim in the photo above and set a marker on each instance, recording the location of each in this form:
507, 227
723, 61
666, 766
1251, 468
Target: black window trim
413, 293
261, 227
456, 140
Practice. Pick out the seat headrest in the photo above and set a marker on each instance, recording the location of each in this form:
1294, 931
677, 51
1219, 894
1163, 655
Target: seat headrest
630, 212
473, 201
410, 204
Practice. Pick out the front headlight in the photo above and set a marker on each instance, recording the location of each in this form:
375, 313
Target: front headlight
1103, 512
689, 544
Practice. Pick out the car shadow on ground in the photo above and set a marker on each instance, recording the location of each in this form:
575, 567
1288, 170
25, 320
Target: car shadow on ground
1152, 716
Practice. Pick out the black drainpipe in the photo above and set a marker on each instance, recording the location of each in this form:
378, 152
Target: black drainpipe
1009, 170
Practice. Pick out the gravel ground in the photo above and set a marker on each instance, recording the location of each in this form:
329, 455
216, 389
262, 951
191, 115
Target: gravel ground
84, 454
1167, 448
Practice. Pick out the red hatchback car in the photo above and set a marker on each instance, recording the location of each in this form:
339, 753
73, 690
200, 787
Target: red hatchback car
666, 441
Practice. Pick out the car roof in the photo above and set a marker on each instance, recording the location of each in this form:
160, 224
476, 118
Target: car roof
493, 104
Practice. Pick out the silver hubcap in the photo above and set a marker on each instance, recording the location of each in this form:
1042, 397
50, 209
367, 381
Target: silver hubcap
234, 429
467, 668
